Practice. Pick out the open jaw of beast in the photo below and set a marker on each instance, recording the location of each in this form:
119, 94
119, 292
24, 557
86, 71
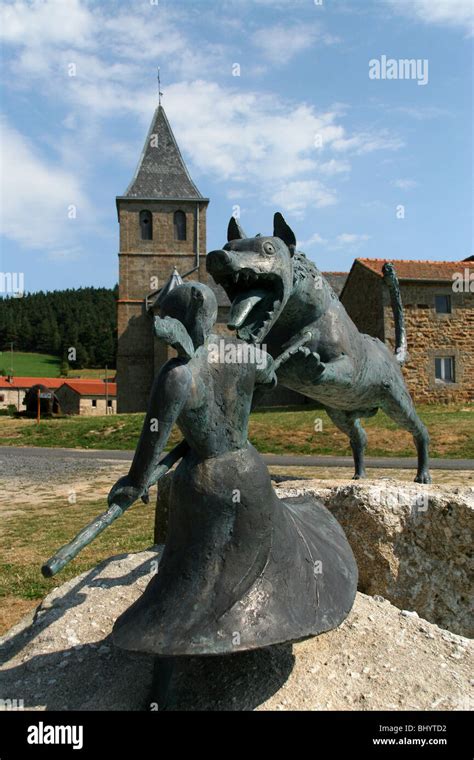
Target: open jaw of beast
258, 286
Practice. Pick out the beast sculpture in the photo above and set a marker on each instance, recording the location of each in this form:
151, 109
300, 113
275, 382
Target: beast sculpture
276, 293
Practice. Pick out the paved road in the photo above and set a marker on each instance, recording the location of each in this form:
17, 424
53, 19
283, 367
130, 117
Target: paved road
8, 455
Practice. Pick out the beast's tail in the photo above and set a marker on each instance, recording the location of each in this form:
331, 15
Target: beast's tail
391, 280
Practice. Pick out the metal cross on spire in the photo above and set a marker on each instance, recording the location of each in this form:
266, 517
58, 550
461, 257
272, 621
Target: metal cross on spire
160, 94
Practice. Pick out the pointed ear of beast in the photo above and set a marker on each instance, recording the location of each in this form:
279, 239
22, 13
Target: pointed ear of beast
284, 232
235, 231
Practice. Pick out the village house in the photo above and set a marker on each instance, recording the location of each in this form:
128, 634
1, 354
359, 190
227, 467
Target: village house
87, 397
14, 389
438, 303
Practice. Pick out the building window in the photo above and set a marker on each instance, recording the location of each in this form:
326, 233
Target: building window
94, 403
109, 402
444, 369
2, 397
443, 304
179, 225
146, 225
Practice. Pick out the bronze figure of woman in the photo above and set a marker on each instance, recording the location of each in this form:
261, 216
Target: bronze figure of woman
241, 568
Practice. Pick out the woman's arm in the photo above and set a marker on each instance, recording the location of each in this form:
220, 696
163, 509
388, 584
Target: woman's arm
168, 396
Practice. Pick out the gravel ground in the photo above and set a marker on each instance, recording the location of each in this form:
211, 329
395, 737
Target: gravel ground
45, 473
28, 468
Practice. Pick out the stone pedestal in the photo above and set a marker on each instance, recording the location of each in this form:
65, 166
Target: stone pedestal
61, 658
412, 543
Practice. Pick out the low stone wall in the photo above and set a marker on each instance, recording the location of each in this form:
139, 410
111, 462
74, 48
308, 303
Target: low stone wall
412, 543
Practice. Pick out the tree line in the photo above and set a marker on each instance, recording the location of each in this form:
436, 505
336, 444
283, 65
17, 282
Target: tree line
82, 319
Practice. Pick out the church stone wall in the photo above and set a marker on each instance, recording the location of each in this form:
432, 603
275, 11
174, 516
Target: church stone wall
144, 266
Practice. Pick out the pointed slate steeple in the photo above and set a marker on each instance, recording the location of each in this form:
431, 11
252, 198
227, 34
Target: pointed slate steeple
161, 173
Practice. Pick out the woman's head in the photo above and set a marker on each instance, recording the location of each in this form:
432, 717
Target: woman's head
195, 305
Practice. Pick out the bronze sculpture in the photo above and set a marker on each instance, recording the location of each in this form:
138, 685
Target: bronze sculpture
241, 569
278, 294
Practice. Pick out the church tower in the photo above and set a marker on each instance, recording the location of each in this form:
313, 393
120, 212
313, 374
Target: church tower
162, 219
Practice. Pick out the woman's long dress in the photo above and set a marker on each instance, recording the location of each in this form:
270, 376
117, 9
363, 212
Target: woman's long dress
241, 568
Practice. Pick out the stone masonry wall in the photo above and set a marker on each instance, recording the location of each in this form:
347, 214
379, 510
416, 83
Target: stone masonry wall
12, 397
144, 266
142, 260
86, 408
433, 335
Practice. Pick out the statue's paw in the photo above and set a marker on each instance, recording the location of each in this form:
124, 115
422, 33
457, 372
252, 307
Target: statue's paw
359, 475
315, 367
423, 477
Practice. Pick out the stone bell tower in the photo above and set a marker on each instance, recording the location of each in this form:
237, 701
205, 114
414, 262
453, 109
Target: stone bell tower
162, 219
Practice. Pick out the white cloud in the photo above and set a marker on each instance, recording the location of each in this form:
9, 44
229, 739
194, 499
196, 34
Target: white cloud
262, 144
334, 166
348, 241
296, 197
315, 239
51, 33
35, 197
405, 184
351, 239
451, 13
46, 21
260, 140
280, 43
367, 142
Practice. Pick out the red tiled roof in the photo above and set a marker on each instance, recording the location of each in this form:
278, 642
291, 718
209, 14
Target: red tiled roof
419, 270
56, 382
28, 382
92, 387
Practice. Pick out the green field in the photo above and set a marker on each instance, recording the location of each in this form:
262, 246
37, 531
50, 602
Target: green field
42, 365
29, 536
92, 373
278, 431
29, 365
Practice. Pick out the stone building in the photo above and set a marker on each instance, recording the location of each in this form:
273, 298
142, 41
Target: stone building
438, 302
162, 219
87, 397
14, 389
75, 396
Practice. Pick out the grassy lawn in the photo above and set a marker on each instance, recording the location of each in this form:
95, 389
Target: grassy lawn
95, 373
286, 432
43, 365
31, 535
278, 431
30, 365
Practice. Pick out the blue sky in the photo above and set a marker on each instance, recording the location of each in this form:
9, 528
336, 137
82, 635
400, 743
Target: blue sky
303, 129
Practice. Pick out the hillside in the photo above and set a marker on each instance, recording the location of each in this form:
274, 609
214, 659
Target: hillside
29, 364
75, 325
